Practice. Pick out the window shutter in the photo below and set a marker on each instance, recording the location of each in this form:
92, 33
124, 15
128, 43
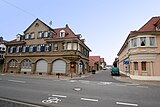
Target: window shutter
42, 34
20, 49
29, 35
9, 49
42, 48
34, 49
49, 33
50, 48
14, 49
27, 49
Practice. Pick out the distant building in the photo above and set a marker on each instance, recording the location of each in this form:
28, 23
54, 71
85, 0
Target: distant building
44, 50
140, 54
2, 53
94, 63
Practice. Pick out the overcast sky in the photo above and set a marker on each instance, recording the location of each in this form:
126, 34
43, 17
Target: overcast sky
105, 24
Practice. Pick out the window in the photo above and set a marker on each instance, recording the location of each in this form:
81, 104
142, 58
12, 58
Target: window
19, 48
152, 41
45, 34
41, 35
27, 36
134, 42
48, 47
64, 46
74, 46
135, 65
143, 65
38, 47
13, 63
24, 48
32, 35
69, 46
31, 48
26, 64
56, 47
143, 41
62, 33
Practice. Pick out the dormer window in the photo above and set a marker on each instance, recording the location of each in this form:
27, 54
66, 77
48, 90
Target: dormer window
62, 33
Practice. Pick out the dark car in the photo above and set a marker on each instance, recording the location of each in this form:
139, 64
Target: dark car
115, 71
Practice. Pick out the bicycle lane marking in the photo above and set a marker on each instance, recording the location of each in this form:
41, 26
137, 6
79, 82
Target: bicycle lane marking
53, 99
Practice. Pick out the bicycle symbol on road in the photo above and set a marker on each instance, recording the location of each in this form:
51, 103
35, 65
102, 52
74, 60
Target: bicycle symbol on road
51, 100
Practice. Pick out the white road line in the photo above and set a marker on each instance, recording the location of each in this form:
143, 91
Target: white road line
121, 85
128, 104
142, 86
3, 74
132, 84
84, 81
89, 99
17, 81
72, 81
56, 95
18, 102
104, 83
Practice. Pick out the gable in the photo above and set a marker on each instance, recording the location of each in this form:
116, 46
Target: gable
37, 25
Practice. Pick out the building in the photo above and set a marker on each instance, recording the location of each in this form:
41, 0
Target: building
94, 63
140, 54
103, 63
43, 50
2, 53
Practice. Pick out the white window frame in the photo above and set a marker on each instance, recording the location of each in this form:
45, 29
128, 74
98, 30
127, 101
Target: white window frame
62, 33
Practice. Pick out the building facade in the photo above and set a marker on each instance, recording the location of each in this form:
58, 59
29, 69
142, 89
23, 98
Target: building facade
140, 54
45, 50
2, 53
94, 63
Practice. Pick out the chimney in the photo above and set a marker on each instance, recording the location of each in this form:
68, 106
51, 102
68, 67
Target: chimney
1, 39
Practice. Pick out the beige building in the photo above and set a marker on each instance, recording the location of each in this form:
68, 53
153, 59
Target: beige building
140, 54
43, 50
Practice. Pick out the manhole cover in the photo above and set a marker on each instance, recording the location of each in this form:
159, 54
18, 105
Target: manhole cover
77, 88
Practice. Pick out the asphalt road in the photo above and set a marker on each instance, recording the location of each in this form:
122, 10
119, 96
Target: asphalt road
99, 90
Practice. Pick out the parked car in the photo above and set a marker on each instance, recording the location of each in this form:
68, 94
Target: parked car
115, 71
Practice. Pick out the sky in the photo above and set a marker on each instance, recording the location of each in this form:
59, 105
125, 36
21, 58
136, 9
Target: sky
104, 24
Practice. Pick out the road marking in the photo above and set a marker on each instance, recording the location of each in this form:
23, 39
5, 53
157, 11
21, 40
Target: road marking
72, 81
128, 104
3, 74
84, 81
121, 85
142, 86
89, 99
56, 95
18, 102
132, 84
17, 81
104, 83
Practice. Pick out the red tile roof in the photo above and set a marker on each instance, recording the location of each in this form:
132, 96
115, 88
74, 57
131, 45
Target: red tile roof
93, 59
150, 25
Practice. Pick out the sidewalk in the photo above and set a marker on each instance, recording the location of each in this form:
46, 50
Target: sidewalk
45, 76
125, 78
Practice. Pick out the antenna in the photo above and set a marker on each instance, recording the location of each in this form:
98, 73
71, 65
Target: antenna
50, 23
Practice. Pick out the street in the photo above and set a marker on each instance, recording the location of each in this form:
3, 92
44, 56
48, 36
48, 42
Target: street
99, 90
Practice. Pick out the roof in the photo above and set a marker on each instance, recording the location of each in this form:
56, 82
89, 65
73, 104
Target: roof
148, 27
151, 24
